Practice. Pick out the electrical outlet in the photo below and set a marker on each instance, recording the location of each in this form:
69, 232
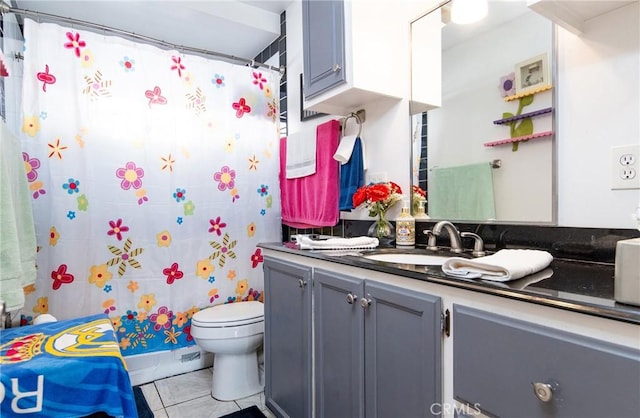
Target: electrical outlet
625, 167
379, 177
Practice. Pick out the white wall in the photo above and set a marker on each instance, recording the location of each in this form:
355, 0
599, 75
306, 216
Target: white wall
598, 89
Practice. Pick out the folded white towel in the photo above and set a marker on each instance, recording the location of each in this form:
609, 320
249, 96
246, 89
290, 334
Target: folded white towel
301, 155
345, 149
307, 243
526, 281
502, 266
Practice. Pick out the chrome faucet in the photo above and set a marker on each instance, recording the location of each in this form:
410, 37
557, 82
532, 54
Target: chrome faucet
454, 236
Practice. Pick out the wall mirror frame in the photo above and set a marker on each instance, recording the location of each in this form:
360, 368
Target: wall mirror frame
472, 128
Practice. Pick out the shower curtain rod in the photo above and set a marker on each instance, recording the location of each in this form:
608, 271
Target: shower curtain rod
4, 8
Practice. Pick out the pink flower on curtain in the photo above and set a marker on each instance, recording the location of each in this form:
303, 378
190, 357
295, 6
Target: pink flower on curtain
117, 229
259, 80
155, 96
241, 107
61, 276
162, 319
131, 176
30, 166
216, 226
46, 78
172, 273
177, 65
226, 178
75, 43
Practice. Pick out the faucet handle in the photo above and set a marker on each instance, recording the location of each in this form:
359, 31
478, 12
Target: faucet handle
478, 245
431, 241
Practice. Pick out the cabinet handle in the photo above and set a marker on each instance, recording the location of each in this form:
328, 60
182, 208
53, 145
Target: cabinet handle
543, 391
301, 283
351, 298
365, 303
336, 68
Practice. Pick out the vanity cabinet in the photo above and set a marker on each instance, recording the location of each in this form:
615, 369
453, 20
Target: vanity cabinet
377, 348
354, 53
287, 338
498, 361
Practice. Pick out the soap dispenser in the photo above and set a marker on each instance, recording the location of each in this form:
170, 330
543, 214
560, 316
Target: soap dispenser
421, 212
405, 227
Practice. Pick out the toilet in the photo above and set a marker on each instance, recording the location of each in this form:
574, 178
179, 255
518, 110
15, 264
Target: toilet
233, 332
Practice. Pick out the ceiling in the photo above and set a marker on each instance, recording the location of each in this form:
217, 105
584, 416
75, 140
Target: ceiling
241, 28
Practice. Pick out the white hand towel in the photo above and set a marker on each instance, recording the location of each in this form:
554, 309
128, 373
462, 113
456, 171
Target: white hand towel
526, 281
307, 243
502, 266
345, 149
301, 155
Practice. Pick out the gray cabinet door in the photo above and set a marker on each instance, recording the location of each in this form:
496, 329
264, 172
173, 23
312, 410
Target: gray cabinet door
339, 345
323, 45
287, 338
403, 361
496, 360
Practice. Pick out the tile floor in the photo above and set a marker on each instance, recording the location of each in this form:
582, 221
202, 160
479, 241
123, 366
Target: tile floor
189, 396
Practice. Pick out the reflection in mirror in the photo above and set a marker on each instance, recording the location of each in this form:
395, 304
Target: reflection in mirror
487, 153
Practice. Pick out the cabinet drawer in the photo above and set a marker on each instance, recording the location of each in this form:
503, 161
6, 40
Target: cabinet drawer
497, 359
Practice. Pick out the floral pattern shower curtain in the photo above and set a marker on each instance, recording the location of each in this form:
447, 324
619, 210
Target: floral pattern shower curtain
152, 174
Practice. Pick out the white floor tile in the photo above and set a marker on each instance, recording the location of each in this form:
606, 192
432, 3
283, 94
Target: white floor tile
151, 395
257, 399
161, 413
184, 387
203, 407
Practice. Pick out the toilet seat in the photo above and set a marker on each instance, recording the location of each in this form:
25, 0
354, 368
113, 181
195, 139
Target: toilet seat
229, 315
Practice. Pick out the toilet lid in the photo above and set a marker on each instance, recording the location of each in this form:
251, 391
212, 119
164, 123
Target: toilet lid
231, 313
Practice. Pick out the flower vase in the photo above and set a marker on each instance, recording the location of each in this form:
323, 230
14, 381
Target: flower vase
383, 230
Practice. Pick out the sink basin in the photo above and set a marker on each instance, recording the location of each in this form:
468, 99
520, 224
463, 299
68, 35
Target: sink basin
408, 258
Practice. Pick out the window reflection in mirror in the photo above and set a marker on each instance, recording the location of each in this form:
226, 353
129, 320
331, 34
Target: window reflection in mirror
487, 154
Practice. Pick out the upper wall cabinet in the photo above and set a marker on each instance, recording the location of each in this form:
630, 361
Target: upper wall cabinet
323, 43
355, 52
571, 14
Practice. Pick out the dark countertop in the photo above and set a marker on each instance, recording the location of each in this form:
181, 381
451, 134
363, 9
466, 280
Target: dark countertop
578, 286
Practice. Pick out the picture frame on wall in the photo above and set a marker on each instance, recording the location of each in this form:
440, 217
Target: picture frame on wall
532, 74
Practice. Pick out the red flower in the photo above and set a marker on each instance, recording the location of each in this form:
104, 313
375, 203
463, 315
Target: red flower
172, 273
378, 197
256, 258
241, 107
46, 78
417, 190
75, 43
117, 229
61, 276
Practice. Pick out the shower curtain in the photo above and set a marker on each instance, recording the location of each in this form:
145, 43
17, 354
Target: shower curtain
152, 175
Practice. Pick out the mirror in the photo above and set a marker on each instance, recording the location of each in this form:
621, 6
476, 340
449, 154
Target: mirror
486, 154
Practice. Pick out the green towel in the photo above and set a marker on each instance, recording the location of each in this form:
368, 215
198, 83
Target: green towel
463, 193
17, 230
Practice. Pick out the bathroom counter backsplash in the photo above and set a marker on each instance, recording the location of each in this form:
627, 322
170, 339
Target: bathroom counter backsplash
584, 287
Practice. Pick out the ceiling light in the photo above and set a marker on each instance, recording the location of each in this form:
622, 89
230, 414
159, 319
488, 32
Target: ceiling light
468, 11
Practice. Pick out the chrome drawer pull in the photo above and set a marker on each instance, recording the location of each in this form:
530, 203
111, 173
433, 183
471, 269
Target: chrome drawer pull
543, 391
351, 298
301, 283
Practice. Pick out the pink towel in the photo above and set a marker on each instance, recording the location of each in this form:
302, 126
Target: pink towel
312, 201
